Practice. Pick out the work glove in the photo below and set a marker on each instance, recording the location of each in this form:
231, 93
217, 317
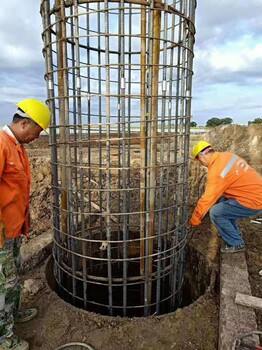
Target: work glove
2, 235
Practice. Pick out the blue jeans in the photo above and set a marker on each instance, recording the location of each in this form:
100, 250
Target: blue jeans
224, 215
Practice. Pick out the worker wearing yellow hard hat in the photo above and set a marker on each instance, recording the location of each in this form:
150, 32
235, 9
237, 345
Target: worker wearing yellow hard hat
200, 147
35, 110
233, 190
30, 119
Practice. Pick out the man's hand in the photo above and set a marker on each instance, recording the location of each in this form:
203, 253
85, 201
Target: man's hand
2, 235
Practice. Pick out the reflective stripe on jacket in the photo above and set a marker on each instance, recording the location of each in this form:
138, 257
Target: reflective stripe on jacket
15, 181
230, 176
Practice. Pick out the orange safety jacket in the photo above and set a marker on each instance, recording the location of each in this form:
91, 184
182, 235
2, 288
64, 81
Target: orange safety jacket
15, 179
230, 176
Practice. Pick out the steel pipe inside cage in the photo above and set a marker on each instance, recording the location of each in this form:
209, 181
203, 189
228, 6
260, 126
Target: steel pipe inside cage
119, 80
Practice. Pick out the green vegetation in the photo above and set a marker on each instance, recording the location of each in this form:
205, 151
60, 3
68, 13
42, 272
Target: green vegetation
193, 124
255, 121
217, 121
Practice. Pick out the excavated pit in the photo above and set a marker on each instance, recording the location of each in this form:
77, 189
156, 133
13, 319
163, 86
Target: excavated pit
199, 275
191, 327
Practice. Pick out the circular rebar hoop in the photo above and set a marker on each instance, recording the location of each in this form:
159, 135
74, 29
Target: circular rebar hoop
119, 78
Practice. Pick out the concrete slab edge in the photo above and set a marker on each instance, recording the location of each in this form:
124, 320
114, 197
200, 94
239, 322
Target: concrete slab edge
234, 319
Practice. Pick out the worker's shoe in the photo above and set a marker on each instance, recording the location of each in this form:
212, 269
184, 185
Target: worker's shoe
25, 316
233, 248
14, 343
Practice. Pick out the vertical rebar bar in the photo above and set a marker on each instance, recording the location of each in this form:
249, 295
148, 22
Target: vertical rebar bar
154, 125
61, 76
143, 139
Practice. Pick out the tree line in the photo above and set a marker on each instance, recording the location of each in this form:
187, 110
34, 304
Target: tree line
224, 121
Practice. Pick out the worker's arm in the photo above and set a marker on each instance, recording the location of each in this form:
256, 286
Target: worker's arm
215, 188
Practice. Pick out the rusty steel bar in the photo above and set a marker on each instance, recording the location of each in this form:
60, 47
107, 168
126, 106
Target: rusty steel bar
154, 127
143, 141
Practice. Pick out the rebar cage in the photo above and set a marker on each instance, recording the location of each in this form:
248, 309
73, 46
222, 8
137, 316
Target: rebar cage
119, 77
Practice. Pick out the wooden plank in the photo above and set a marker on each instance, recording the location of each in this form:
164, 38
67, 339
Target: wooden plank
248, 300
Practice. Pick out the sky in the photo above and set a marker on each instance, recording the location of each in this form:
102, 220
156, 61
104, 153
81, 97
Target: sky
227, 65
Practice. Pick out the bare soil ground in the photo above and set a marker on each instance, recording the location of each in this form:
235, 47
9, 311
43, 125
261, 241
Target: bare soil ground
192, 327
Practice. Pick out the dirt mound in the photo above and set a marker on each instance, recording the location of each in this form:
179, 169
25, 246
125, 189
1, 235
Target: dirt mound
245, 141
41, 202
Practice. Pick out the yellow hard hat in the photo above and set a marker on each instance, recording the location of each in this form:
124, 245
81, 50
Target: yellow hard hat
37, 111
199, 147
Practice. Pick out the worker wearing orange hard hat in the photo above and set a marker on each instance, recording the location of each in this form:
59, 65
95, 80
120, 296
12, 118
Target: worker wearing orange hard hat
30, 119
233, 191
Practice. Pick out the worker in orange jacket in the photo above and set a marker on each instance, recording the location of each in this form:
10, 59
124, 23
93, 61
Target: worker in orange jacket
30, 119
233, 191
